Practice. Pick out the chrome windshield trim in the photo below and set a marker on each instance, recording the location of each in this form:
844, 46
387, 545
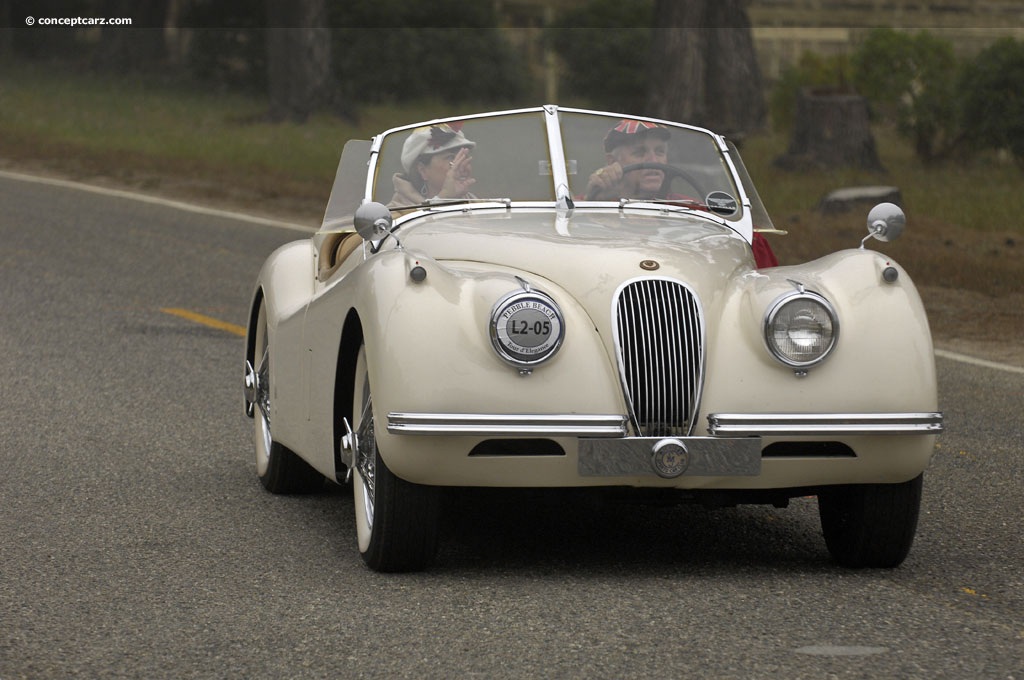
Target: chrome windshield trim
475, 208
612, 114
823, 424
507, 425
471, 116
556, 153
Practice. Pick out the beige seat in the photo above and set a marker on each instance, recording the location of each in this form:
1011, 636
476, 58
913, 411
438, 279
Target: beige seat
335, 249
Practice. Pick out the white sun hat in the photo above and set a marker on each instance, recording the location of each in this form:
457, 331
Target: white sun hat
427, 141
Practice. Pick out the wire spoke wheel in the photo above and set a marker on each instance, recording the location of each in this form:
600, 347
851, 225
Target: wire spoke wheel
396, 521
278, 468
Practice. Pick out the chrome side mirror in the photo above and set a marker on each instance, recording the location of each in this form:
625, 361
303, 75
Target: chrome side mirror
372, 221
885, 222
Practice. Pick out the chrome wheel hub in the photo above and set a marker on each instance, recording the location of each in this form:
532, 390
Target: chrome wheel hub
257, 386
365, 447
257, 396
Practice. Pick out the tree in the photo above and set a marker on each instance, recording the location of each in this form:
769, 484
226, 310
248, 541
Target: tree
605, 48
911, 78
298, 58
993, 108
705, 69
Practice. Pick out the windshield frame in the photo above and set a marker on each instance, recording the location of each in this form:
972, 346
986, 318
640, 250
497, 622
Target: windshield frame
560, 176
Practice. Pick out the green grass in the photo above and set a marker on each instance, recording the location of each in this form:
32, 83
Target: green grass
157, 124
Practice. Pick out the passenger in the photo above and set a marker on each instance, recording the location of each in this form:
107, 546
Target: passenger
437, 164
636, 141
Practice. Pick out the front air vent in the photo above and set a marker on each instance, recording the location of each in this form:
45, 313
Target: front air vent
659, 345
496, 448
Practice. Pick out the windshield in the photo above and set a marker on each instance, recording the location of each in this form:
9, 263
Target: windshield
507, 158
543, 156
617, 158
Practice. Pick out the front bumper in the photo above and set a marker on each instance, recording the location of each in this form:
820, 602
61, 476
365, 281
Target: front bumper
719, 424
599, 450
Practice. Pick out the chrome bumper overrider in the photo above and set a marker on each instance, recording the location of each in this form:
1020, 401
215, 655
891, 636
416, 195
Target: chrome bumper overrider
822, 424
504, 425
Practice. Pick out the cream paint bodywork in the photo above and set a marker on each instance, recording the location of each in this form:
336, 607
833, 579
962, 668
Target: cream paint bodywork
428, 348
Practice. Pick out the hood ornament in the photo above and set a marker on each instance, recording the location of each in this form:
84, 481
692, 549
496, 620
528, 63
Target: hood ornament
649, 265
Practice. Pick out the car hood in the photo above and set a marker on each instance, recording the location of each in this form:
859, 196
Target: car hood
589, 254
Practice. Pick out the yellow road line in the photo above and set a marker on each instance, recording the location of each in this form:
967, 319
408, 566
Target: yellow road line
205, 320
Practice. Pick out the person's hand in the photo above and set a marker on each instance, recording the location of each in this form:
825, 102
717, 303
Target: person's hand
459, 176
603, 181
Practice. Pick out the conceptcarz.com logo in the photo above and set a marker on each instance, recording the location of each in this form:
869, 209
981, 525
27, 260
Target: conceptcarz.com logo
78, 21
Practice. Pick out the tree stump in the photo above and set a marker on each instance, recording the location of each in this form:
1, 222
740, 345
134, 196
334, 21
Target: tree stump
831, 131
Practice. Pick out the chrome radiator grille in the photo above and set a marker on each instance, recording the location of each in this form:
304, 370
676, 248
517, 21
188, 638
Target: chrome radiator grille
660, 349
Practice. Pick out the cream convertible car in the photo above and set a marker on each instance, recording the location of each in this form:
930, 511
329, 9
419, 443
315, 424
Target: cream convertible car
530, 331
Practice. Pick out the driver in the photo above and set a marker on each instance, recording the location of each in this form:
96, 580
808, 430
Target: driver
631, 141
637, 141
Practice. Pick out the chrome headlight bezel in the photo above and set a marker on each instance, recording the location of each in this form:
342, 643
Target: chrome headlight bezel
772, 315
540, 307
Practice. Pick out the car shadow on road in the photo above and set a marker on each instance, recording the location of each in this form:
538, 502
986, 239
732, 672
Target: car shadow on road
600, 532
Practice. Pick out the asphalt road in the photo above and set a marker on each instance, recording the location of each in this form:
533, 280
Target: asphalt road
135, 540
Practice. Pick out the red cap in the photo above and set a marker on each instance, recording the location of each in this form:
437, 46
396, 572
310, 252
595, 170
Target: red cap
630, 130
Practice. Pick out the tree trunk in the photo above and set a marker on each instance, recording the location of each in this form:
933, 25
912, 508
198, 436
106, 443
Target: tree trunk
298, 58
123, 49
831, 130
6, 34
705, 69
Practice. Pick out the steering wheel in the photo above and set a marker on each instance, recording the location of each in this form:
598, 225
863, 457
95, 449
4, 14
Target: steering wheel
670, 171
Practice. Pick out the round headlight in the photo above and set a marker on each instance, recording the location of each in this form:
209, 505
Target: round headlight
526, 328
801, 329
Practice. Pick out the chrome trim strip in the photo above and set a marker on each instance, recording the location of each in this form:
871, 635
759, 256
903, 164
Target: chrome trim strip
471, 116
822, 424
612, 114
507, 425
556, 154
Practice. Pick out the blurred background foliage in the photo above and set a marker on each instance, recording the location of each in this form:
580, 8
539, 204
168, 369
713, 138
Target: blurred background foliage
381, 50
180, 104
945, 104
607, 69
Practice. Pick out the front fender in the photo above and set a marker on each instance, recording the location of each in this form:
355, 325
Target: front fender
883, 360
284, 286
428, 350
